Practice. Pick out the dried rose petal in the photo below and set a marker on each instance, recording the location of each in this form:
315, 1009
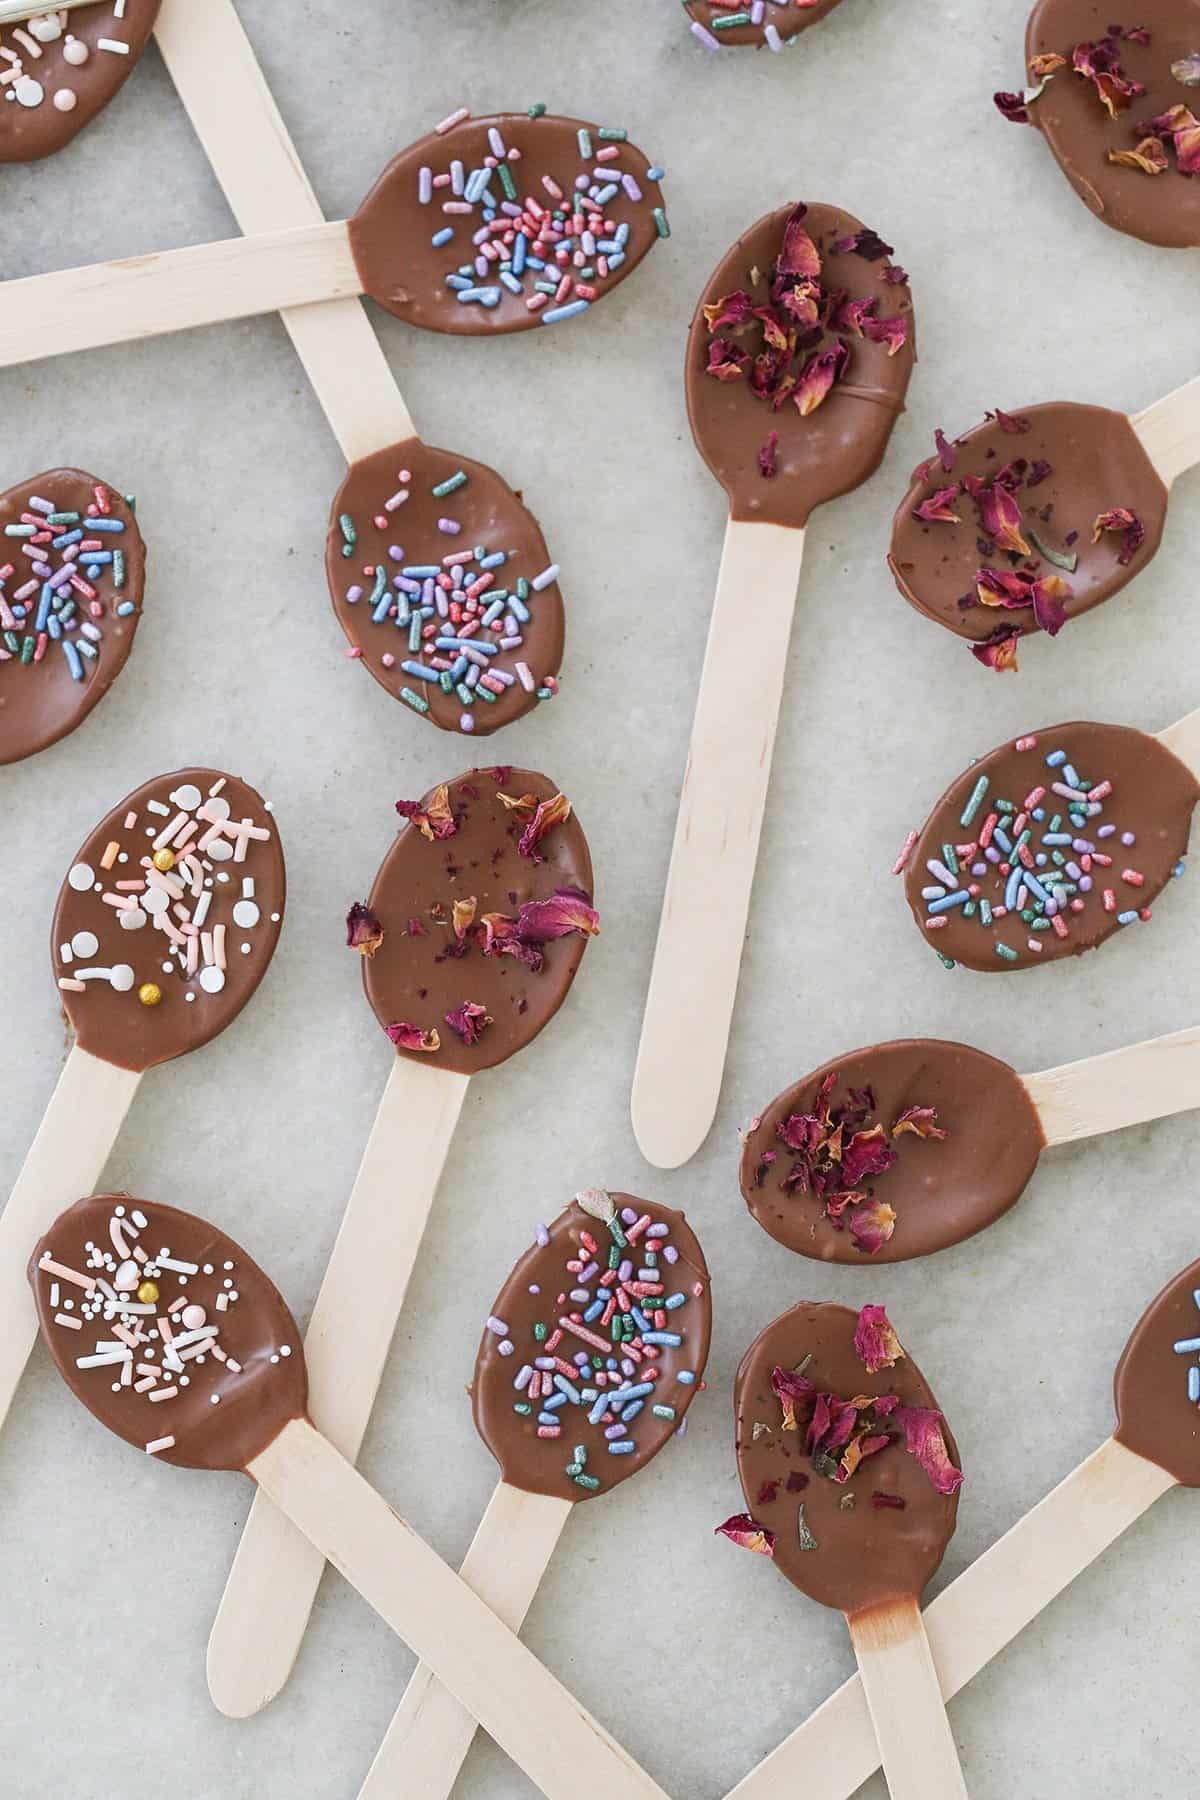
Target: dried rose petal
852, 315
549, 814
795, 1394
469, 1020
1016, 424
1002, 587
364, 933
999, 513
798, 254
411, 1037
894, 275
820, 372
527, 803
1000, 650
922, 1120
748, 1534
733, 309
727, 361
1049, 597
939, 508
865, 243
767, 1494
434, 821
567, 910
500, 938
871, 1225
1149, 157
768, 460
947, 451
1120, 518
922, 1428
1046, 64
868, 1153
1011, 106
1182, 126
1099, 63
893, 1500
875, 1340
893, 332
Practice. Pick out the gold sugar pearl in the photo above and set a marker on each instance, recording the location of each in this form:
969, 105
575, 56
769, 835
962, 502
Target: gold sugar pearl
149, 993
164, 859
148, 1293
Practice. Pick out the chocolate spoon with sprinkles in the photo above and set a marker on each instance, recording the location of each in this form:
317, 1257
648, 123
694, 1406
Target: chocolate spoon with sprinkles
935, 1141
469, 940
848, 1468
771, 22
798, 361
215, 1378
59, 73
605, 1406
1074, 831
1155, 1446
1034, 517
164, 927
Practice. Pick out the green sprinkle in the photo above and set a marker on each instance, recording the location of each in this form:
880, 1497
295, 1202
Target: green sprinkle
949, 858
969, 910
540, 1332
587, 1481
507, 182
457, 480
63, 518
947, 962
975, 802
414, 700
727, 21
985, 911
537, 110
581, 1455
131, 502
612, 134
584, 138
118, 569
1007, 952
522, 588
523, 1407
660, 221
663, 1412
27, 649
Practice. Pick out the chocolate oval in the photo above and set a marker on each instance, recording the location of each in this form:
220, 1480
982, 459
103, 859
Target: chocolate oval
941, 1190
611, 1419
418, 975
1156, 1392
135, 993
50, 683
1141, 790
60, 75
1160, 209
839, 444
865, 1554
1081, 462
788, 17
389, 518
395, 233
120, 1286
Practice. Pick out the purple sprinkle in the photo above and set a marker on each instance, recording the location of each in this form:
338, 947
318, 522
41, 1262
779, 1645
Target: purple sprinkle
1128, 839
497, 1326
628, 1216
671, 1254
616, 1431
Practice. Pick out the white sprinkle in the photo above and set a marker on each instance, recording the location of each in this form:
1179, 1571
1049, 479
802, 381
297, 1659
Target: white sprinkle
157, 1444
119, 49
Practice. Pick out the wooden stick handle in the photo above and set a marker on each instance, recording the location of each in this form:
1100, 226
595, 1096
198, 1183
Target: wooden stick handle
693, 981
1170, 431
261, 1620
1183, 740
175, 290
430, 1733
1123, 1087
210, 60
905, 1701
834, 1751
516, 1700
64, 1164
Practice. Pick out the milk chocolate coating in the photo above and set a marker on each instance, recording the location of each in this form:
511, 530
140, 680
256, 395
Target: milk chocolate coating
31, 124
255, 1401
788, 18
539, 1465
390, 234
1097, 463
1153, 796
415, 978
940, 1190
865, 1555
839, 445
1154, 1415
1160, 209
109, 1018
493, 519
41, 701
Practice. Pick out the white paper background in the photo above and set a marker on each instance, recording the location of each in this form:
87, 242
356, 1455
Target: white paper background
698, 1657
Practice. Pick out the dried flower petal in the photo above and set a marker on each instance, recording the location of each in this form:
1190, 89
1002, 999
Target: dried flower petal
865, 243
871, 1225
1016, 424
469, 1020
463, 917
921, 1120
768, 460
727, 361
795, 1394
1012, 106
527, 803
1120, 518
549, 814
939, 508
411, 1037
852, 315
732, 309
1003, 587
1000, 650
1100, 64
875, 1342
884, 1500
1049, 596
892, 332
434, 821
999, 513
798, 254
1182, 126
922, 1428
947, 451
567, 910
748, 1534
1046, 64
364, 933
1149, 157
820, 372
868, 1153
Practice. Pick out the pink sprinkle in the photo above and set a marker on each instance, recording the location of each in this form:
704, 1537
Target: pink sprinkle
451, 120
939, 922
1060, 925
1025, 743
1134, 877
906, 850
1034, 944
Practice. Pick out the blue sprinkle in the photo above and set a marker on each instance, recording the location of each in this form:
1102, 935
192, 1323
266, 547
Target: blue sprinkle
73, 662
622, 1448
554, 313
958, 899
442, 237
671, 1338
1185, 1346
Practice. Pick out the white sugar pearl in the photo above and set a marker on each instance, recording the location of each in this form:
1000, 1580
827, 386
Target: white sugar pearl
218, 807
121, 977
127, 1277
85, 943
132, 919
156, 900
193, 1317
245, 914
220, 850
187, 797
65, 100
212, 980
28, 91
81, 877
76, 52
46, 30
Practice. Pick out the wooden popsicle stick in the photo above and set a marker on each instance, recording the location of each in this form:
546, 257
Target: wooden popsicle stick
273, 1581
1170, 431
971, 1621
920, 1761
516, 1700
213, 66
1122, 1087
65, 1163
1183, 740
702, 927
174, 290
431, 1732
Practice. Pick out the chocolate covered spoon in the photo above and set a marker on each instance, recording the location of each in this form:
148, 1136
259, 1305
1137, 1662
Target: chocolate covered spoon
61, 65
72, 578
167, 1331
485, 226
1115, 100
1155, 1446
588, 1363
165, 925
797, 365
911, 1146
471, 936
850, 1473
1071, 833
1034, 517
770, 22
